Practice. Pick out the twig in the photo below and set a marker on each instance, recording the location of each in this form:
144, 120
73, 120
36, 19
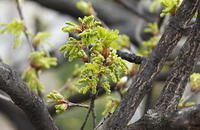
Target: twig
102, 122
78, 105
22, 19
130, 57
87, 116
93, 110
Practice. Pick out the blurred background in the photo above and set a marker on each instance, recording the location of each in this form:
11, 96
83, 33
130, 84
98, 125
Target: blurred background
130, 18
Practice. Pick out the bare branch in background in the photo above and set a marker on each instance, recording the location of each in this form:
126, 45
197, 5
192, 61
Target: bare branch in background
22, 18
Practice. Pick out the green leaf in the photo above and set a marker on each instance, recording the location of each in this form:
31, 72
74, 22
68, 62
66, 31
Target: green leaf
152, 28
42, 60
15, 27
94, 47
40, 37
170, 7
123, 41
61, 108
30, 76
55, 97
195, 81
85, 7
111, 105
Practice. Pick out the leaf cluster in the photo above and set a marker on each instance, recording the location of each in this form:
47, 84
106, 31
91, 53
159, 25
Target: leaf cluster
38, 62
41, 37
195, 81
170, 7
56, 97
85, 7
30, 76
42, 60
111, 105
95, 47
15, 27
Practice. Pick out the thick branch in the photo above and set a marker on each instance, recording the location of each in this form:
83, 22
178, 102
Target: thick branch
182, 68
152, 66
15, 115
183, 119
26, 99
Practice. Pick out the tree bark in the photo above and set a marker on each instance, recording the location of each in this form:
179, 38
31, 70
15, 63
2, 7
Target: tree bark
25, 98
152, 66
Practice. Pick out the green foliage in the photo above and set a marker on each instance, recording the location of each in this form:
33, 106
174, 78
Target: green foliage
61, 108
15, 27
195, 81
183, 103
30, 76
123, 41
105, 37
85, 7
148, 45
96, 71
56, 97
96, 48
170, 7
73, 49
88, 22
38, 62
111, 105
71, 27
152, 28
152, 42
40, 37
42, 60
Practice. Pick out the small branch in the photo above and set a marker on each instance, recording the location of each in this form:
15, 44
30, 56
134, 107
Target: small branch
130, 57
22, 19
102, 122
89, 111
78, 105
93, 111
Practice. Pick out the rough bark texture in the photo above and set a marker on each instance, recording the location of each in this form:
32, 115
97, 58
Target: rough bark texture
26, 99
182, 68
182, 119
165, 115
152, 66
